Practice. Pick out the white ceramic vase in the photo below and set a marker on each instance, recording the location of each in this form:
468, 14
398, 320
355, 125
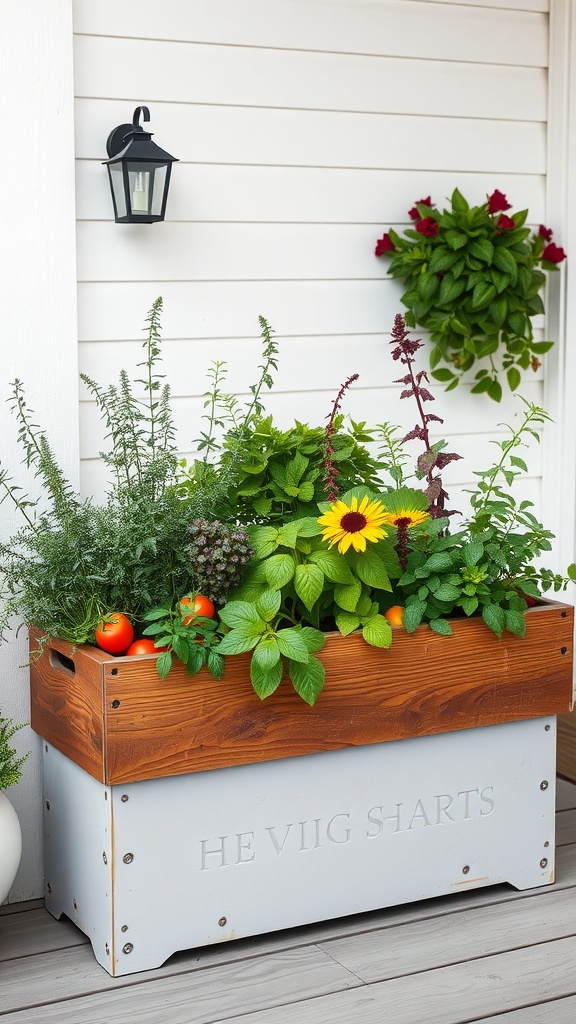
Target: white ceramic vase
10, 845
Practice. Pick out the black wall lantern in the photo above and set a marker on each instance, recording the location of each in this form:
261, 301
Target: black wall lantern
139, 172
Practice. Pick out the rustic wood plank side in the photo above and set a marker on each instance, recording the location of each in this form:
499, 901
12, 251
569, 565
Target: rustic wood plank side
424, 684
493, 985
66, 701
427, 945
561, 1011
59, 981
35, 931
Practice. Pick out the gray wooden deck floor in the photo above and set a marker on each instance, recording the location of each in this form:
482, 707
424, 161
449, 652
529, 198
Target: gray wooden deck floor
494, 955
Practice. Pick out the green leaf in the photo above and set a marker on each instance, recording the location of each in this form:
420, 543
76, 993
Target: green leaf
447, 592
515, 622
238, 642
156, 613
333, 565
266, 653
292, 645
459, 204
482, 249
504, 260
370, 569
308, 584
495, 391
438, 561
268, 604
483, 294
264, 540
473, 552
313, 638
494, 618
516, 461
377, 631
441, 626
195, 660
469, 605
347, 597
181, 648
164, 664
514, 377
215, 663
265, 681
456, 239
307, 680
443, 375
346, 622
288, 533
279, 570
450, 289
243, 615
413, 615
307, 527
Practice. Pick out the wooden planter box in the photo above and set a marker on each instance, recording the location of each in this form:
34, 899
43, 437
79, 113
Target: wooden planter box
184, 812
121, 723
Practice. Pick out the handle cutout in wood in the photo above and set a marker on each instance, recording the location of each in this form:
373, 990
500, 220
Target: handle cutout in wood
61, 662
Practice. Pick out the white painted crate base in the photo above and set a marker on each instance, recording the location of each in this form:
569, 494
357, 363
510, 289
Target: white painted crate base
152, 867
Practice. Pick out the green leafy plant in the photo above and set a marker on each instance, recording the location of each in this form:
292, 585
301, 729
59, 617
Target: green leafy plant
473, 277
280, 536
10, 763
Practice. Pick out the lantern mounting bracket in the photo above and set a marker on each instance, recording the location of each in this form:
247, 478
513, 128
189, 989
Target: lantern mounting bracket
120, 136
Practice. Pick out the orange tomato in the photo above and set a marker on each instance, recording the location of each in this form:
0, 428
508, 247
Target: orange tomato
395, 615
198, 605
115, 633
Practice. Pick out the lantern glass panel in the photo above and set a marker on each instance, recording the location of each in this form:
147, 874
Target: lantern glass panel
117, 183
158, 187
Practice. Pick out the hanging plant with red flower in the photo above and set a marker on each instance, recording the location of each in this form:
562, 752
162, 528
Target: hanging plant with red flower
473, 277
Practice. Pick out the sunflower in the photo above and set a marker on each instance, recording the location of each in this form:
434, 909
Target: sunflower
406, 508
353, 524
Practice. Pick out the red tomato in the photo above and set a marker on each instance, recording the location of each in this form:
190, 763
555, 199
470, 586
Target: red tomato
115, 634
144, 646
198, 605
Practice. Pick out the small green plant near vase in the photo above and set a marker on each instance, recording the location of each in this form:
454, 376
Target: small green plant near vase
10, 762
473, 277
288, 542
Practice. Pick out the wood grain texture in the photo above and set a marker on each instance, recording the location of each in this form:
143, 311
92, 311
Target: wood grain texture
424, 684
482, 932
68, 975
449, 995
63, 707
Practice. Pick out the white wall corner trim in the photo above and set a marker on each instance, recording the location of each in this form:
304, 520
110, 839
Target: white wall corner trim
38, 298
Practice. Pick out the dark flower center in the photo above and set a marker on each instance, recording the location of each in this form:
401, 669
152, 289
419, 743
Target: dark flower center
403, 522
353, 522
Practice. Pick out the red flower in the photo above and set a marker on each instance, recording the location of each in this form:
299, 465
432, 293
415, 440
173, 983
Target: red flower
428, 226
553, 253
498, 202
413, 213
383, 245
545, 233
505, 223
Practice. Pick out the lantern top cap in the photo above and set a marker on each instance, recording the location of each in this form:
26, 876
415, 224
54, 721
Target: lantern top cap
133, 142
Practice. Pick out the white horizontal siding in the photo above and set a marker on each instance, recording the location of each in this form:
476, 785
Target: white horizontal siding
254, 76
303, 130
507, 33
